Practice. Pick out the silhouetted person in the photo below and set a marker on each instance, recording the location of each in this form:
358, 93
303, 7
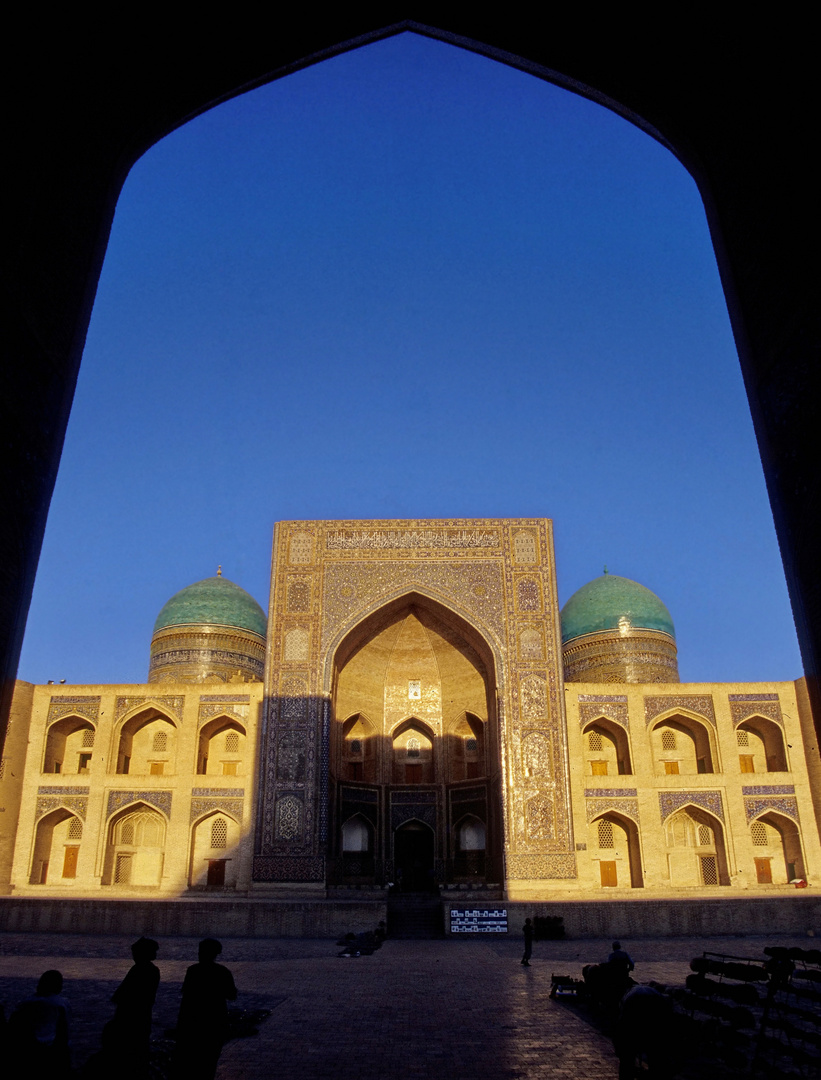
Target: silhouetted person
203, 1021
527, 930
620, 959
39, 1032
129, 1033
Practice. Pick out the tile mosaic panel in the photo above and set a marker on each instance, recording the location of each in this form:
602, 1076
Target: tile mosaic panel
597, 807
539, 867
166, 703
610, 710
210, 710
87, 707
201, 807
289, 815
218, 793
611, 793
63, 790
226, 698
670, 801
700, 704
273, 868
77, 804
118, 799
782, 804
744, 710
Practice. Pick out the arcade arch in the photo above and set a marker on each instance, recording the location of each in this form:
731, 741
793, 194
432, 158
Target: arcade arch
69, 745
778, 856
146, 745
683, 745
615, 839
761, 746
56, 848
606, 748
214, 846
135, 851
221, 747
696, 852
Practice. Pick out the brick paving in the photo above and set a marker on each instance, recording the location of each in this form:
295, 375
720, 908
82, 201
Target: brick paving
415, 1009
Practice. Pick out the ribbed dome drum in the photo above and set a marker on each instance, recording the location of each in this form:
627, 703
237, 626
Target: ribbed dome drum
616, 630
211, 630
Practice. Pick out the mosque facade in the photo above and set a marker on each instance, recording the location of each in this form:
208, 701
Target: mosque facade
414, 708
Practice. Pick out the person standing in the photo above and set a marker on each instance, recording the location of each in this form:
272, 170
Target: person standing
527, 930
130, 1031
202, 1027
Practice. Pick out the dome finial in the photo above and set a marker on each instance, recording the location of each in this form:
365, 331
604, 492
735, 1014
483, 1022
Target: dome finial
219, 571
605, 568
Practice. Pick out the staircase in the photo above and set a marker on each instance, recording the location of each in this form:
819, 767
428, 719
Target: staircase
415, 915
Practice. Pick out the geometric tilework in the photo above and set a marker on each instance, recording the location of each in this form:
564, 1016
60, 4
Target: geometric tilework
628, 807
87, 707
233, 807
702, 704
741, 710
225, 698
611, 710
541, 867
77, 804
611, 793
118, 799
289, 868
44, 790
218, 793
670, 801
753, 697
784, 804
769, 789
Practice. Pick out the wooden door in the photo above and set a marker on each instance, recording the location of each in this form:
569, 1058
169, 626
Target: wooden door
70, 861
609, 877
216, 874
764, 871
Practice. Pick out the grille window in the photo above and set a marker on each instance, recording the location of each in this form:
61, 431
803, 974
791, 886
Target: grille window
413, 747
88, 738
160, 744
219, 833
758, 831
705, 835
709, 869
127, 833
606, 834
122, 870
594, 741
743, 737
75, 829
471, 746
356, 746
668, 740
232, 742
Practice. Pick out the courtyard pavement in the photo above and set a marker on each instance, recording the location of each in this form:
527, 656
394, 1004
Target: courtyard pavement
419, 1010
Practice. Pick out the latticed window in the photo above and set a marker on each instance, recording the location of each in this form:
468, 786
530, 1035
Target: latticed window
705, 835
219, 833
75, 829
414, 748
141, 829
709, 869
88, 738
743, 737
122, 870
160, 743
356, 747
232, 742
594, 741
471, 746
606, 834
668, 739
758, 831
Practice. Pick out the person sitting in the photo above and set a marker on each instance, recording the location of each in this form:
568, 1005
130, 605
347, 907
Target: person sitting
620, 959
39, 1041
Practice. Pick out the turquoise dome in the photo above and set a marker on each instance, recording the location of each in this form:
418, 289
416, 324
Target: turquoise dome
611, 603
215, 601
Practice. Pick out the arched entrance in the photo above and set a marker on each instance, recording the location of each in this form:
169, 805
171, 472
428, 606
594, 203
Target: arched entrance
414, 857
414, 750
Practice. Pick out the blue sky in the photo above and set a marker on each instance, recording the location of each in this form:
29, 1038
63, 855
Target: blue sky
409, 282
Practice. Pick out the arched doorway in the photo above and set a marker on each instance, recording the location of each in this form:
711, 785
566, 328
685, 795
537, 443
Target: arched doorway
414, 857
414, 738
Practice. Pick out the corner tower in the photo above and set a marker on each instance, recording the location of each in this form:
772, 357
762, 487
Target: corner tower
211, 630
616, 630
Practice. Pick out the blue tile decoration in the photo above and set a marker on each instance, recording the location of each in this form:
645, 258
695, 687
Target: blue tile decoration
628, 807
753, 697
769, 789
541, 867
783, 804
86, 707
611, 793
670, 801
745, 710
231, 807
172, 703
700, 704
609, 710
45, 789
77, 804
225, 698
118, 799
269, 868
603, 697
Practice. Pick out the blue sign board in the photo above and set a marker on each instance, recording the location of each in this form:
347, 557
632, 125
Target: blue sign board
472, 920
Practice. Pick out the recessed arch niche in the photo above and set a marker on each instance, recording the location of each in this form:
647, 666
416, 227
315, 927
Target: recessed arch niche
414, 724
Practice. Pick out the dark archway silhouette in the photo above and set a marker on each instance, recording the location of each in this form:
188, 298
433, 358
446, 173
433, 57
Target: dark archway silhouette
740, 129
